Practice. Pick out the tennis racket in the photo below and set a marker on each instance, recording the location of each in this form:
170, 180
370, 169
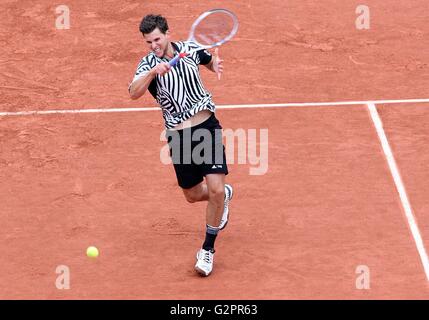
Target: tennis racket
211, 29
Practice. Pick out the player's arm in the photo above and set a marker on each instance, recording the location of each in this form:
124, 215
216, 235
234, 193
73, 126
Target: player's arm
140, 86
216, 64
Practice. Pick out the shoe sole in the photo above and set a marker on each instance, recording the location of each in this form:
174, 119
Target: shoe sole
232, 194
201, 272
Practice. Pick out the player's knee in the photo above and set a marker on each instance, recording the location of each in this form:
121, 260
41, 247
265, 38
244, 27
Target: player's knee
190, 197
191, 200
217, 193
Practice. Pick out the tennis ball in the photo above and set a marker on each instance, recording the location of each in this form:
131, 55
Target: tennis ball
92, 252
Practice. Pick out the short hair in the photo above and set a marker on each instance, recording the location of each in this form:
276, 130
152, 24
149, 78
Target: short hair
151, 22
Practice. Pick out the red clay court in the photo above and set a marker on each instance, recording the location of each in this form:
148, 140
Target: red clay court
329, 202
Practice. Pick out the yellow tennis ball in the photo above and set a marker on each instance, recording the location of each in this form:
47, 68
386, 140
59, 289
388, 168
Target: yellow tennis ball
92, 252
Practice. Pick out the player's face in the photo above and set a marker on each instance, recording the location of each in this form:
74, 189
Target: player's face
157, 42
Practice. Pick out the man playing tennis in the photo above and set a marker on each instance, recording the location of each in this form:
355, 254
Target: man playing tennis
187, 107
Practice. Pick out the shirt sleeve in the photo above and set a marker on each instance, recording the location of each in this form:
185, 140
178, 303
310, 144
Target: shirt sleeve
201, 56
204, 56
142, 69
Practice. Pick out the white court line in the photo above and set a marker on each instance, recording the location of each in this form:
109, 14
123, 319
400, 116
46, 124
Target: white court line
400, 187
67, 111
231, 106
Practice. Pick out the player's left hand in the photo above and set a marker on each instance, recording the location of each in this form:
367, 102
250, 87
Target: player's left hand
217, 63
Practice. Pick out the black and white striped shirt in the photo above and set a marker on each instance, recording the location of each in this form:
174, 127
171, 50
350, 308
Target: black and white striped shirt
180, 92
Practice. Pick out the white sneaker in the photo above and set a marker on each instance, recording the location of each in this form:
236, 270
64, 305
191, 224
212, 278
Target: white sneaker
204, 265
228, 196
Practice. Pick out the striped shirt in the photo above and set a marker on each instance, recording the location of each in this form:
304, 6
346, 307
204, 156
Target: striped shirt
180, 92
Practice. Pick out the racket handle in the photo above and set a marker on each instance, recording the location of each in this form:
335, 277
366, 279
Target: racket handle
176, 59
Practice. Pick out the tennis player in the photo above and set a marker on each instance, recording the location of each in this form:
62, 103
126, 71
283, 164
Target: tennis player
187, 108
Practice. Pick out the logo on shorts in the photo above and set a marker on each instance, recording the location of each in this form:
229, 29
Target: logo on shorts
217, 166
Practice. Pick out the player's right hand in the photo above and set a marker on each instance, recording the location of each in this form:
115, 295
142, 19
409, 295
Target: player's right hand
162, 68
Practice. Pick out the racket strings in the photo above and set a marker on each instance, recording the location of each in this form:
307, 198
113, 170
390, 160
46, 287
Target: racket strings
213, 29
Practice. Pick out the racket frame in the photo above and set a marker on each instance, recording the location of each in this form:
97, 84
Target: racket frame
234, 30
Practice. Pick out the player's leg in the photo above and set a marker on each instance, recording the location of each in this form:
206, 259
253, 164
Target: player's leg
214, 211
197, 193
216, 196
191, 180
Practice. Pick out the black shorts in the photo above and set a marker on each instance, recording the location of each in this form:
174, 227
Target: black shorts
197, 151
